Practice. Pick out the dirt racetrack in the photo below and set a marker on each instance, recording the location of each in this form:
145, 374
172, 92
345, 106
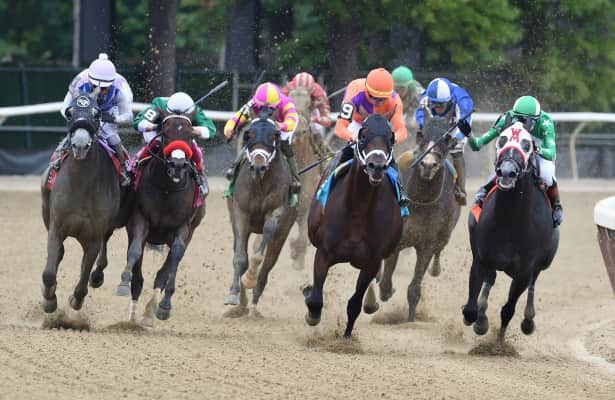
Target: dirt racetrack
198, 353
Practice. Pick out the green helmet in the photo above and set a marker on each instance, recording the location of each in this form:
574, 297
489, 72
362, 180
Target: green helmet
527, 106
402, 76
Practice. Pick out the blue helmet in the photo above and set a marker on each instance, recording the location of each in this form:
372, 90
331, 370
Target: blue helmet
439, 91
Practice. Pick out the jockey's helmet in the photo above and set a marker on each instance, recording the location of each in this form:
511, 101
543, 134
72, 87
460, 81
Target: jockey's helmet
304, 80
379, 83
402, 77
267, 95
526, 106
438, 91
101, 71
180, 103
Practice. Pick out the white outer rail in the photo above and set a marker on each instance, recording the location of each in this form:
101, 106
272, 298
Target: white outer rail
582, 117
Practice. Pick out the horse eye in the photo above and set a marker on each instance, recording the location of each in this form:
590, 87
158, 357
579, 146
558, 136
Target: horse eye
502, 141
526, 145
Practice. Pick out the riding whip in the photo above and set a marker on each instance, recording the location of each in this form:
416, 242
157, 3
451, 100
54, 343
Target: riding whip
212, 91
315, 163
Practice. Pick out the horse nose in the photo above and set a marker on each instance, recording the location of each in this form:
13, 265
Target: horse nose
375, 166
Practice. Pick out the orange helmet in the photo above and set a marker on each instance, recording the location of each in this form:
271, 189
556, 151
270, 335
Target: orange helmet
379, 83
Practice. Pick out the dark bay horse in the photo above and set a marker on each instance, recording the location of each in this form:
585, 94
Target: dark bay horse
84, 202
360, 223
306, 152
433, 212
259, 205
513, 233
166, 212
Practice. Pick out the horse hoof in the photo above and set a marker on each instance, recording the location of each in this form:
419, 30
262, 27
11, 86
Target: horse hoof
74, 303
122, 290
231, 300
96, 279
528, 326
370, 309
163, 313
481, 326
248, 282
50, 305
236, 312
147, 322
311, 321
386, 295
469, 317
434, 271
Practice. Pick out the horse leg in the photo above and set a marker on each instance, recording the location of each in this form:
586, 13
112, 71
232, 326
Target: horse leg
178, 249
299, 244
470, 309
248, 279
240, 258
435, 268
55, 252
527, 325
370, 304
90, 252
517, 287
98, 276
313, 293
136, 286
353, 309
386, 280
423, 257
481, 326
136, 239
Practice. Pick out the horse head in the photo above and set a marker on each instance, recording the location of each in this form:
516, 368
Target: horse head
513, 150
374, 148
432, 132
177, 150
261, 144
83, 122
302, 100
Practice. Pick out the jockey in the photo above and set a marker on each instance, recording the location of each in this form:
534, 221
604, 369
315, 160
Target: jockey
320, 120
445, 99
282, 111
540, 125
149, 120
409, 90
114, 100
373, 94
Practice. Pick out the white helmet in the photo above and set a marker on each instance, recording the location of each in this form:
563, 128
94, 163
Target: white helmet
180, 103
102, 71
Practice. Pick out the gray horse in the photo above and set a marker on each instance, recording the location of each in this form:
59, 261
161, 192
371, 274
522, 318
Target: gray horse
433, 212
84, 202
259, 204
308, 147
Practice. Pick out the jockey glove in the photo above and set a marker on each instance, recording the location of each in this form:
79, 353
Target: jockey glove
464, 127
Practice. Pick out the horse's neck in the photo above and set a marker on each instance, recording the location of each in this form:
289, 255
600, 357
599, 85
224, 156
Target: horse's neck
87, 173
360, 192
513, 204
422, 190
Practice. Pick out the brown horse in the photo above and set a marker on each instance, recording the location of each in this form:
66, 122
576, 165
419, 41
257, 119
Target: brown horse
259, 204
433, 212
360, 223
306, 149
165, 212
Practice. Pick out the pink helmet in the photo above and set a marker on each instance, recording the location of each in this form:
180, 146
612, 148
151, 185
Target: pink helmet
102, 71
267, 94
304, 80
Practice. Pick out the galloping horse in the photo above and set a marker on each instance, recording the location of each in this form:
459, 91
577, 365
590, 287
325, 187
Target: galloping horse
513, 233
84, 202
360, 222
168, 208
433, 212
306, 152
259, 204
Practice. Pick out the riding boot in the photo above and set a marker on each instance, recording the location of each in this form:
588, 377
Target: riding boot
460, 185
287, 150
482, 192
404, 200
201, 180
230, 173
556, 205
119, 151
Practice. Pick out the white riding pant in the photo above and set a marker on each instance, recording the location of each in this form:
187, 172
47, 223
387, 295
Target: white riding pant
547, 170
109, 132
287, 136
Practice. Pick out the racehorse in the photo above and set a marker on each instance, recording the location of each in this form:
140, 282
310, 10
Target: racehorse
259, 204
434, 212
83, 202
168, 208
360, 222
513, 233
306, 152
